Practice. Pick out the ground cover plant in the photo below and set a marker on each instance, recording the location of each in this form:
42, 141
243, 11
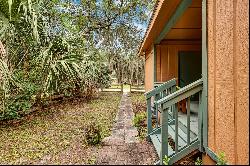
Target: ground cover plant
139, 108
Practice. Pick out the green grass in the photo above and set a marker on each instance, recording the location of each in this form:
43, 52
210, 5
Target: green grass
50, 131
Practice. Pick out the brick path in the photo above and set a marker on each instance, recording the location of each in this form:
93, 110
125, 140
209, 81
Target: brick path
123, 147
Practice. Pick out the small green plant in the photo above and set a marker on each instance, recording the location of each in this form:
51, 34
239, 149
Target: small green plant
139, 122
221, 159
139, 119
92, 133
198, 161
166, 160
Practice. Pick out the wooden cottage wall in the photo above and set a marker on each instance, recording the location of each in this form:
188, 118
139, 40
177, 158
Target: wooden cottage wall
228, 76
167, 58
149, 69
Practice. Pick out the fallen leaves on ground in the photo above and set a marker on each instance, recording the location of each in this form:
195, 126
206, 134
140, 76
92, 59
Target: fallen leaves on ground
47, 133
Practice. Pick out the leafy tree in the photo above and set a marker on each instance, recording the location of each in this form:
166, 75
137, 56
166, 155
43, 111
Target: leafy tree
54, 47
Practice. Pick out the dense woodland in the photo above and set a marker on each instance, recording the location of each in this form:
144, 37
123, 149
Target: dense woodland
67, 48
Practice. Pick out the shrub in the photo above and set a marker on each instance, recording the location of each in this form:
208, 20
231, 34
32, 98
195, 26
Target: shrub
139, 121
19, 100
92, 133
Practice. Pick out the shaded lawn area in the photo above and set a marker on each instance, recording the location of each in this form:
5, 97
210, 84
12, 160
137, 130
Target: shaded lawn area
54, 135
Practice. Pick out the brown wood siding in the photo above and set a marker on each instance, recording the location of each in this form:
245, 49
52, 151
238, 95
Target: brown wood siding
167, 58
228, 34
149, 68
158, 65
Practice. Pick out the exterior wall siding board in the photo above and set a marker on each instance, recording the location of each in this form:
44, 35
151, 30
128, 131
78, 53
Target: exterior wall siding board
164, 63
228, 79
224, 90
149, 70
211, 72
158, 59
242, 80
167, 59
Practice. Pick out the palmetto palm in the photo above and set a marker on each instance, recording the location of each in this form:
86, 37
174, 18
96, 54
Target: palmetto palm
14, 11
59, 65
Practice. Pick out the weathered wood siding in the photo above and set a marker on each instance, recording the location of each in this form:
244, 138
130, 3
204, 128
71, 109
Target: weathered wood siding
228, 76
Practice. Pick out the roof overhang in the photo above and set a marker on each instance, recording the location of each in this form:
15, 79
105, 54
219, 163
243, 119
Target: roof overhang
173, 19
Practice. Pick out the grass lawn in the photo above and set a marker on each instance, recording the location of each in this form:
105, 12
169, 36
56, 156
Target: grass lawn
54, 135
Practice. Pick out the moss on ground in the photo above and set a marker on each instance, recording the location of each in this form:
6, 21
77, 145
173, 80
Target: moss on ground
51, 130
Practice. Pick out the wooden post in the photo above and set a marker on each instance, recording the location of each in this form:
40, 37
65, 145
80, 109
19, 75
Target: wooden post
176, 131
164, 134
188, 121
149, 117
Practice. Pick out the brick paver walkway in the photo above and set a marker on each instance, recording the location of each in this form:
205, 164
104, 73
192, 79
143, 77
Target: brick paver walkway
123, 147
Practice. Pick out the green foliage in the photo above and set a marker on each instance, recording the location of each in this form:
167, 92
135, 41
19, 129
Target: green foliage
166, 160
139, 121
96, 73
198, 161
140, 118
92, 133
221, 159
51, 48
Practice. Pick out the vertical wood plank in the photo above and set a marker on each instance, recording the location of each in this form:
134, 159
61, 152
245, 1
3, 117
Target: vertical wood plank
241, 38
